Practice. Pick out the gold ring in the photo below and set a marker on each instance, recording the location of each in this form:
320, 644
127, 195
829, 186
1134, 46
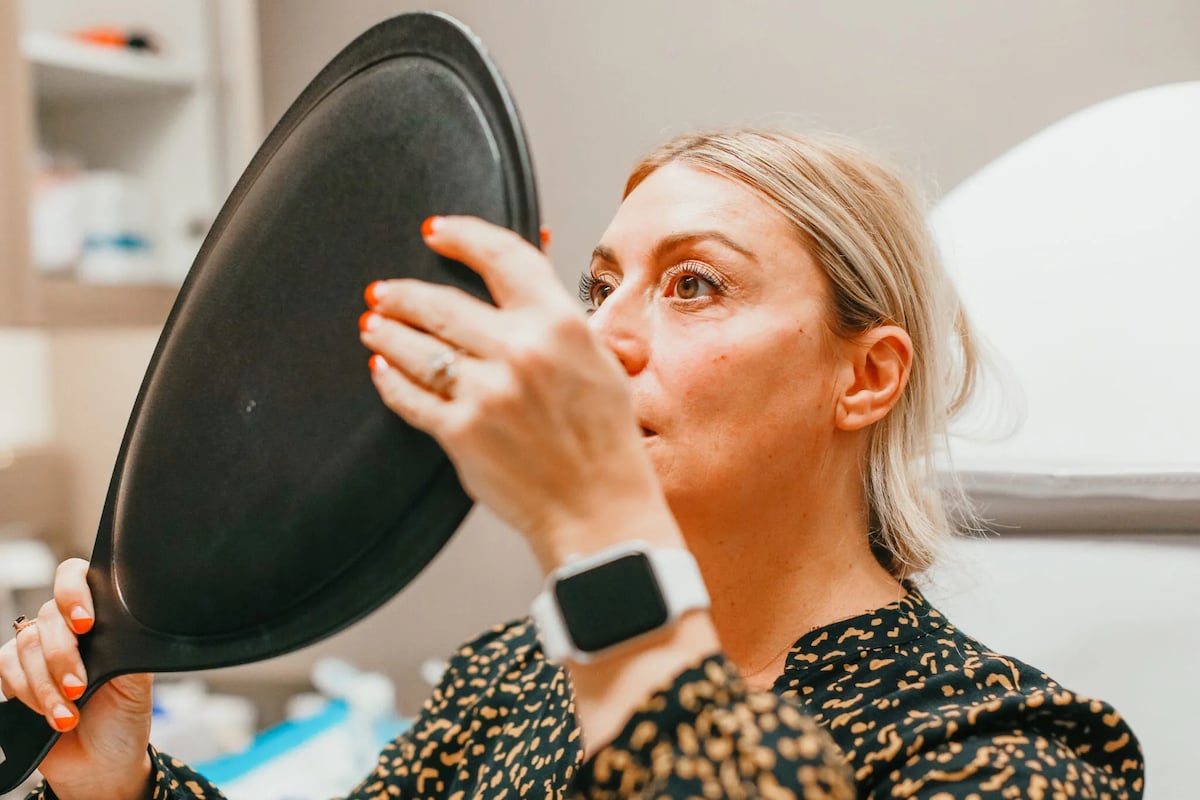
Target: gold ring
22, 622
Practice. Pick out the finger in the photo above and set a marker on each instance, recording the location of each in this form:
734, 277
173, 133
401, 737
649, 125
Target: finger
447, 312
72, 595
412, 351
516, 272
545, 237
12, 677
42, 693
417, 405
60, 649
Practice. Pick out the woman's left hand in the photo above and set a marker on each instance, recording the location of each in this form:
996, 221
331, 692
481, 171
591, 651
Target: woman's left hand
533, 410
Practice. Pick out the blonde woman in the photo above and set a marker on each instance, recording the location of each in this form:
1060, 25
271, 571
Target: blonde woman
725, 472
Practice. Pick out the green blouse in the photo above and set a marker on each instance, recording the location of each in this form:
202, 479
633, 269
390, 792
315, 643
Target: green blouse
893, 703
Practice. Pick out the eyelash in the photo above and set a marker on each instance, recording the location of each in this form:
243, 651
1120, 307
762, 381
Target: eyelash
588, 282
698, 268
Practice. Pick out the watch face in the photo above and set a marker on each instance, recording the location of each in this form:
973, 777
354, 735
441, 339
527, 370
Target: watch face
611, 602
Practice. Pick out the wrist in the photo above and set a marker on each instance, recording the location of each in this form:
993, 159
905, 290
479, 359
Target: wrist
648, 520
129, 784
143, 788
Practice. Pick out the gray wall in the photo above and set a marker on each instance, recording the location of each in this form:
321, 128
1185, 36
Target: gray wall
943, 85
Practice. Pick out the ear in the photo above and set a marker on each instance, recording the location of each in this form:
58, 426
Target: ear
880, 361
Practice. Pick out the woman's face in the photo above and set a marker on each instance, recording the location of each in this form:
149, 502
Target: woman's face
718, 313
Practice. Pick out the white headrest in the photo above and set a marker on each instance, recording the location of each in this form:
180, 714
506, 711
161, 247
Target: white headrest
1077, 254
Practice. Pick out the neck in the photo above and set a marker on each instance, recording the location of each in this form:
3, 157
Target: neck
777, 569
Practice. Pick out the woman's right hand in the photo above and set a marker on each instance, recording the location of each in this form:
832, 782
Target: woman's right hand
103, 752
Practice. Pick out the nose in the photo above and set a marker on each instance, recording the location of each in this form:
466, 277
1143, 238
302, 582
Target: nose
621, 323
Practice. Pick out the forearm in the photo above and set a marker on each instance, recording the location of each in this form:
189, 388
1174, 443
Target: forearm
706, 734
609, 690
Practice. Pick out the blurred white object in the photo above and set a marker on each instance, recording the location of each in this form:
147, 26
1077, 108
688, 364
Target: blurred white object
25, 563
26, 395
371, 698
432, 670
117, 225
193, 725
56, 218
323, 750
1078, 257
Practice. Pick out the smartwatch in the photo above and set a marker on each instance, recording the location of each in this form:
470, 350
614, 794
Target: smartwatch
593, 604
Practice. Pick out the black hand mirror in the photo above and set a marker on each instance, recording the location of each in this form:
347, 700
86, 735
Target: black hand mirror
264, 497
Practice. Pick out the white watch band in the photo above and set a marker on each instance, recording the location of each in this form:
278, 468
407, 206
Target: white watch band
675, 570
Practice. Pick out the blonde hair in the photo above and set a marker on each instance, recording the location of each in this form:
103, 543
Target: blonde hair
867, 230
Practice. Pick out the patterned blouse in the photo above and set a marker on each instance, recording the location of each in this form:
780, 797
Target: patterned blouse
893, 703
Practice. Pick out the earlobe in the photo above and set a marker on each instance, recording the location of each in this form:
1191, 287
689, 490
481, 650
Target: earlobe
881, 360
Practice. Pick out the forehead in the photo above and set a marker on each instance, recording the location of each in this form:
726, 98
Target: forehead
678, 197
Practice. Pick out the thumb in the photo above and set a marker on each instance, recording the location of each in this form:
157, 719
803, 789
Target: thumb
133, 692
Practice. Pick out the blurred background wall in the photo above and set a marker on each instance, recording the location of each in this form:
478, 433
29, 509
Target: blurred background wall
943, 86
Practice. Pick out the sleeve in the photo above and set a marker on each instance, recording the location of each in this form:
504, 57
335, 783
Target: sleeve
417, 764
1053, 745
708, 735
424, 760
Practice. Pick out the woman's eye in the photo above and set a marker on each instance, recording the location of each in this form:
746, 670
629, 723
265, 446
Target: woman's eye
593, 291
601, 293
691, 280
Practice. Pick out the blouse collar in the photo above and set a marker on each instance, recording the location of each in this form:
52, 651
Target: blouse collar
896, 623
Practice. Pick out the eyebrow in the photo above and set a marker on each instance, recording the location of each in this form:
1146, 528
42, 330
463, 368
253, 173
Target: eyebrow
669, 243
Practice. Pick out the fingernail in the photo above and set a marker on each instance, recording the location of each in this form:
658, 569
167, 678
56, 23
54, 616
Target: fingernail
64, 718
375, 293
72, 687
81, 620
545, 232
430, 226
378, 363
368, 321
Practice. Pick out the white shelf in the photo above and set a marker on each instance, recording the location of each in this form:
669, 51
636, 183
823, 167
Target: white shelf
66, 69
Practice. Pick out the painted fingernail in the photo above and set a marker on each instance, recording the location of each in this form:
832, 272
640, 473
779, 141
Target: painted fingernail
72, 687
375, 293
430, 226
368, 321
64, 718
378, 363
545, 232
81, 620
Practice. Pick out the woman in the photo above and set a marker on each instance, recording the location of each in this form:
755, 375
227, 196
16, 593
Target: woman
771, 353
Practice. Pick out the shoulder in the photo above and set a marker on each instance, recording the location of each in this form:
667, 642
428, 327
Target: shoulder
511, 641
490, 662
907, 695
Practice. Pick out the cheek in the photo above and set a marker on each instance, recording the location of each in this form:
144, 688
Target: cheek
773, 380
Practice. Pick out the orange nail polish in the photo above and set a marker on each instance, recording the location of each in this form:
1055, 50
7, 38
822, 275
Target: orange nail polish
429, 225
374, 293
368, 321
545, 232
81, 620
378, 363
72, 687
64, 718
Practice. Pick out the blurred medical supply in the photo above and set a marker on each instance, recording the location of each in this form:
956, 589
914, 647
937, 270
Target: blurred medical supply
331, 739
96, 223
117, 212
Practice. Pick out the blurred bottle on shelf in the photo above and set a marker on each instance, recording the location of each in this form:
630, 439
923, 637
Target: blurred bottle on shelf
56, 218
117, 214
